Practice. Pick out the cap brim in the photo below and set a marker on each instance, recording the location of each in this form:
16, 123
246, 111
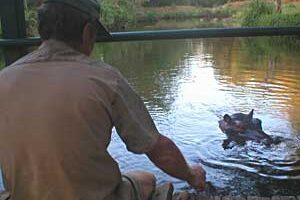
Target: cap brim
101, 30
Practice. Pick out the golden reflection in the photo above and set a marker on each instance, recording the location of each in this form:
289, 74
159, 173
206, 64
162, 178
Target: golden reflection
246, 71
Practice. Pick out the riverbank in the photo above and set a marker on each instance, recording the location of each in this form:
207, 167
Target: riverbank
263, 13
231, 14
183, 12
126, 16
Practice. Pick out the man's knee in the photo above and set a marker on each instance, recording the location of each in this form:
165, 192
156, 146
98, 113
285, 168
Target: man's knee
146, 179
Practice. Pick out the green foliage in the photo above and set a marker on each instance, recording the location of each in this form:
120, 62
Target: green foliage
31, 21
203, 13
114, 14
260, 13
117, 13
150, 17
291, 8
256, 10
165, 2
278, 19
204, 3
210, 3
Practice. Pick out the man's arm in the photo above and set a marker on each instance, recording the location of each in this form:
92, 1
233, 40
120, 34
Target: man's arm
138, 131
166, 155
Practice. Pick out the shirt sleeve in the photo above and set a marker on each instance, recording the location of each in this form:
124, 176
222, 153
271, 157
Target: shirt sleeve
132, 120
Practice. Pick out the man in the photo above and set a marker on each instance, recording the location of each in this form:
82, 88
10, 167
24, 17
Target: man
58, 108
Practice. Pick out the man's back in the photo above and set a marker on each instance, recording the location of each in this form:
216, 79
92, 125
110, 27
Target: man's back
58, 108
55, 126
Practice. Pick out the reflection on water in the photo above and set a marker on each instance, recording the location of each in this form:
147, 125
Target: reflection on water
188, 85
1, 182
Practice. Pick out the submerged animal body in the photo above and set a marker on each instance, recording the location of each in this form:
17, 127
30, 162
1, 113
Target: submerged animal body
241, 127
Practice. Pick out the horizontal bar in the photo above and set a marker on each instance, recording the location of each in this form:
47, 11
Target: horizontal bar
202, 33
175, 34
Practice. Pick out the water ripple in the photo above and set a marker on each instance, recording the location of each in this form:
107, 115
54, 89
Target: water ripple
189, 85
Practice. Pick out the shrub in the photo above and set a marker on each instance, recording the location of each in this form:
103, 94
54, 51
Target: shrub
204, 3
31, 21
150, 17
280, 20
117, 13
210, 3
261, 13
256, 10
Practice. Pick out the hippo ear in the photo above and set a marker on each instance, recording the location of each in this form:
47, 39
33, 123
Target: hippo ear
250, 115
227, 118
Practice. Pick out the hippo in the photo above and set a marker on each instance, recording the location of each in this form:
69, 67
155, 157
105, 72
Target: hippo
241, 127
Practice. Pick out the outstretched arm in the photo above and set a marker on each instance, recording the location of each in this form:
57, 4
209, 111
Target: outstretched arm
167, 156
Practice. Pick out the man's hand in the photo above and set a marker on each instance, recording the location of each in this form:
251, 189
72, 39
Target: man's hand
167, 156
197, 177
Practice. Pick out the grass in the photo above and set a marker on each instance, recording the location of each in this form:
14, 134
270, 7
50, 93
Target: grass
183, 12
118, 14
203, 3
262, 13
291, 8
125, 14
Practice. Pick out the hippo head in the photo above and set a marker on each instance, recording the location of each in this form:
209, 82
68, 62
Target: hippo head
236, 123
241, 127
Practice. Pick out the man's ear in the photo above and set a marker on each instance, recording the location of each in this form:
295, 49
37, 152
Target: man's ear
227, 118
88, 39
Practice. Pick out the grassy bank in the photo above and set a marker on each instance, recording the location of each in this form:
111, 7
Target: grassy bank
153, 14
262, 13
235, 13
120, 15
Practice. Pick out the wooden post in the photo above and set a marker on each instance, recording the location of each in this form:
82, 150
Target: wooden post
13, 26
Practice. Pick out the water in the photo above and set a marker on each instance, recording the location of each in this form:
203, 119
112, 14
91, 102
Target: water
188, 85
1, 182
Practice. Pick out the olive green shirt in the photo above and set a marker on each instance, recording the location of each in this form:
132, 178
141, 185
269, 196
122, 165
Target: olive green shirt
57, 111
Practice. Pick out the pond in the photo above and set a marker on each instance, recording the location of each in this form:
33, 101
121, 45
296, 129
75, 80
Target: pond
188, 85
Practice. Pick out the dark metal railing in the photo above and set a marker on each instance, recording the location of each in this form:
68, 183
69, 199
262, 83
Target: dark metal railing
174, 34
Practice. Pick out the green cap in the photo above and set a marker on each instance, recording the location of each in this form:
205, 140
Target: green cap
89, 7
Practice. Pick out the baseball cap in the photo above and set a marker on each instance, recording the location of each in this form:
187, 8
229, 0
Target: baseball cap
89, 7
